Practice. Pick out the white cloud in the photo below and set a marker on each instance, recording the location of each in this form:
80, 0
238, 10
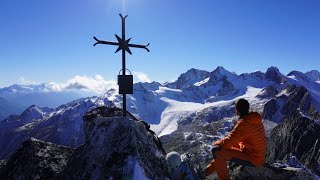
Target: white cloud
95, 84
141, 77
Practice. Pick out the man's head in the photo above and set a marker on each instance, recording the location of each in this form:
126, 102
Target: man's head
174, 160
242, 107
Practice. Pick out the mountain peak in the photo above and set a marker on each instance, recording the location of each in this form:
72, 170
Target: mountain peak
274, 74
273, 69
34, 112
314, 75
220, 68
297, 75
189, 78
220, 73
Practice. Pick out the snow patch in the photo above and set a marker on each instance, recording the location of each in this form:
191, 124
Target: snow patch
293, 77
201, 82
283, 92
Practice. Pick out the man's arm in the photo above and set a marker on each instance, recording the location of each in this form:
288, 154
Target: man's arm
234, 137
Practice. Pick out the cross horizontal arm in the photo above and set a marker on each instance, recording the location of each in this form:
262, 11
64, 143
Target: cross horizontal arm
140, 46
105, 42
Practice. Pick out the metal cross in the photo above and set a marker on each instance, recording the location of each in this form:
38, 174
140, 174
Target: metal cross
123, 45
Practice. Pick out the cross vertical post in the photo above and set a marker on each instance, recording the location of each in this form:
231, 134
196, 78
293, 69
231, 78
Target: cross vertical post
124, 97
123, 45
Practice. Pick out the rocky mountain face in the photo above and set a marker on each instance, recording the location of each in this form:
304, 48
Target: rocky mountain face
115, 147
189, 78
314, 75
298, 135
268, 172
288, 100
36, 159
63, 125
274, 75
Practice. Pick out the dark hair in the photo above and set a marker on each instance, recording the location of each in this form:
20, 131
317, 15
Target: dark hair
242, 106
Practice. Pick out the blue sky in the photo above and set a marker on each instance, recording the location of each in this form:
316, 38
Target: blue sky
44, 41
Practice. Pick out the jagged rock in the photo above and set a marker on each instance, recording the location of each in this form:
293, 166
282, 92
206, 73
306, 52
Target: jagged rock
219, 74
297, 136
268, 92
226, 87
116, 147
314, 75
188, 78
272, 109
63, 126
295, 97
258, 75
35, 159
274, 74
2, 166
268, 172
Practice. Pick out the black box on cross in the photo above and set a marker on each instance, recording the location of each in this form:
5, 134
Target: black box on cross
125, 83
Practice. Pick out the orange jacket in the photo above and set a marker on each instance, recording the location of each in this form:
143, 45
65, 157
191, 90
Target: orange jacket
249, 136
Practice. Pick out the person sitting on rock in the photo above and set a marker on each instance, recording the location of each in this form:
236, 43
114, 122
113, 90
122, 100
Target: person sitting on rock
246, 142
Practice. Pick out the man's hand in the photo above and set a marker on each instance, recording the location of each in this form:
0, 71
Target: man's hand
214, 149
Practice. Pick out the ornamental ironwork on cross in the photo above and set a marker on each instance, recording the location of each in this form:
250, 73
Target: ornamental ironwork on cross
125, 82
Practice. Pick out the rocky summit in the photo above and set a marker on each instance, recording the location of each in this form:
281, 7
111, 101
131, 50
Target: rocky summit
115, 147
35, 159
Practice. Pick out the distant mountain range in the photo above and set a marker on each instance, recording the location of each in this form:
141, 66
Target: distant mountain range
188, 114
16, 98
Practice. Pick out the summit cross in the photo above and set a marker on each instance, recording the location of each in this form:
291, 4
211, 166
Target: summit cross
124, 45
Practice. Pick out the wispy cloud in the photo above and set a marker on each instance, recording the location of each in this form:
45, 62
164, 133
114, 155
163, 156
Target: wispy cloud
95, 84
141, 77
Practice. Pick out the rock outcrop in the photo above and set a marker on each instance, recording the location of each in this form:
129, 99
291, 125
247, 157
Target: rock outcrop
273, 74
288, 100
35, 159
115, 147
188, 78
268, 92
268, 172
297, 136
